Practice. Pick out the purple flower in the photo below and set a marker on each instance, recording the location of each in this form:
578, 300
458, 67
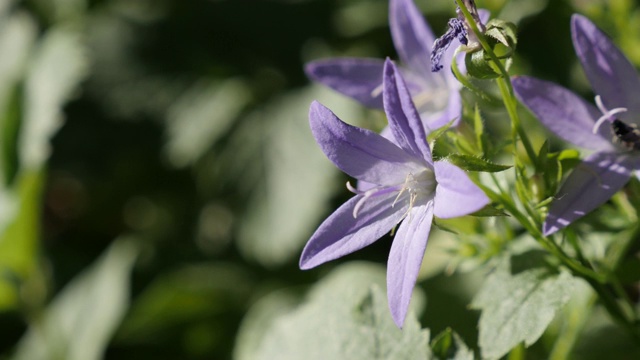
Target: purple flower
405, 184
608, 128
436, 95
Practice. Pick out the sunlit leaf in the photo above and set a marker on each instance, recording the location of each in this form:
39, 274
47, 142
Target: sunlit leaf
17, 35
80, 321
516, 10
255, 323
518, 301
58, 65
346, 316
295, 181
19, 234
474, 163
200, 117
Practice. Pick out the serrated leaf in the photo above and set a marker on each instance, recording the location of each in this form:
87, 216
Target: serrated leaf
449, 346
257, 320
80, 321
473, 163
518, 301
346, 316
434, 135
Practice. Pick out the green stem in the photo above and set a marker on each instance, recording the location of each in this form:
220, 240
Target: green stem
504, 83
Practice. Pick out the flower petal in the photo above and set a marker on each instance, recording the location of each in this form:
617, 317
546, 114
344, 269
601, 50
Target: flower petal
456, 195
590, 185
411, 35
404, 121
405, 259
563, 112
360, 79
453, 111
341, 234
610, 73
361, 153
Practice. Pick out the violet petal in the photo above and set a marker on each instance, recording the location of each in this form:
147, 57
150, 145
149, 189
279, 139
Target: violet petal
456, 195
588, 186
610, 73
453, 111
411, 35
404, 121
563, 113
361, 153
341, 234
360, 79
405, 258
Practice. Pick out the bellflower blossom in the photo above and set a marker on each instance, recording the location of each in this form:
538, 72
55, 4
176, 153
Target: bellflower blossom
435, 95
406, 185
610, 128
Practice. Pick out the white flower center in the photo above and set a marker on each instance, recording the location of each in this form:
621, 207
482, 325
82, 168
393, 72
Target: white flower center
431, 100
418, 186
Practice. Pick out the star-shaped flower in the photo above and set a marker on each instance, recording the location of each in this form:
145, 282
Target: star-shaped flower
405, 184
610, 128
436, 95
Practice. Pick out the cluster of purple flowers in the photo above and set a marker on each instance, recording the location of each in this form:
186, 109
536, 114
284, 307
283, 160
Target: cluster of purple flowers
400, 185
609, 129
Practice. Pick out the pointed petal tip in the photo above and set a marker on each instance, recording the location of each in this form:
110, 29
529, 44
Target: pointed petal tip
548, 229
310, 68
398, 319
580, 20
304, 265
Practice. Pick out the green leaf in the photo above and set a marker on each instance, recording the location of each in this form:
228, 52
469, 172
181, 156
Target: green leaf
473, 163
346, 316
293, 180
503, 31
17, 36
19, 235
257, 320
449, 346
479, 66
478, 126
80, 321
518, 301
489, 211
58, 65
191, 294
200, 117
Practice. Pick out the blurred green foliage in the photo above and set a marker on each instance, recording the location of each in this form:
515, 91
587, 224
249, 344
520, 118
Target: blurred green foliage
179, 127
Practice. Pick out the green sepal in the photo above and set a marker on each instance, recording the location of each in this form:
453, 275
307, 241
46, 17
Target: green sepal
479, 66
473, 163
489, 211
503, 31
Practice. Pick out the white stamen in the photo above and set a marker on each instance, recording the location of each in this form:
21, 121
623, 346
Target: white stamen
366, 195
377, 91
352, 189
606, 114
